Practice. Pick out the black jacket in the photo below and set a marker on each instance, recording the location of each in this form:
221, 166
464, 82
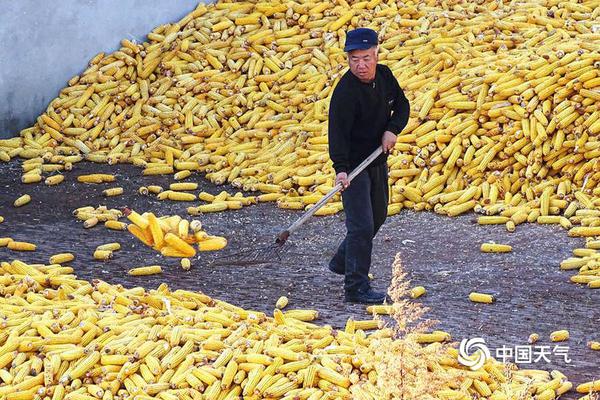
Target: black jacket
360, 112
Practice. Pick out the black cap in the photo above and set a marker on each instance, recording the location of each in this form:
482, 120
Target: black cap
360, 39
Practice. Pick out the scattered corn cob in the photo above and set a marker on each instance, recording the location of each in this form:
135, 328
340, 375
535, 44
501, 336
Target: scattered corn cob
116, 191
109, 246
282, 302
96, 178
21, 201
116, 225
21, 246
150, 270
54, 180
61, 258
417, 292
533, 338
380, 309
559, 336
102, 255
495, 248
481, 298
172, 235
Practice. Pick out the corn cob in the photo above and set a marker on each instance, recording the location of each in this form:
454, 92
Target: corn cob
150, 270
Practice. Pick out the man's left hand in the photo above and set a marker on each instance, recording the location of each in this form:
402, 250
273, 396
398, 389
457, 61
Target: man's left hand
388, 141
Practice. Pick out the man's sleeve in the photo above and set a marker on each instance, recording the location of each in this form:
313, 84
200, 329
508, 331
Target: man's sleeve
401, 109
341, 118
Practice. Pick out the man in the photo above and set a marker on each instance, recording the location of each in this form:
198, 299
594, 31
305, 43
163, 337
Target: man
368, 109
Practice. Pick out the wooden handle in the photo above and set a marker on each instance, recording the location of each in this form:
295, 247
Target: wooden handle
334, 191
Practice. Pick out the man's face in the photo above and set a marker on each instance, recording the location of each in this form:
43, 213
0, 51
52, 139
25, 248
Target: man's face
363, 63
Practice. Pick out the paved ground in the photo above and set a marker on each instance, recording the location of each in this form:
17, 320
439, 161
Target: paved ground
438, 252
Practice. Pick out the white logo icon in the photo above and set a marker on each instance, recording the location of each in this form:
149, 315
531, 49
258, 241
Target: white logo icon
473, 353
365, 40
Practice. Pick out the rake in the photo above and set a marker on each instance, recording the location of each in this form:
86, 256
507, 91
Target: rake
271, 253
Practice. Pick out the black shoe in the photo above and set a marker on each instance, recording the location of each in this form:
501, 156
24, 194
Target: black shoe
336, 271
367, 297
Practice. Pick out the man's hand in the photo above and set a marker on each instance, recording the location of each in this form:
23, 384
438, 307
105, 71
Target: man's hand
388, 141
342, 178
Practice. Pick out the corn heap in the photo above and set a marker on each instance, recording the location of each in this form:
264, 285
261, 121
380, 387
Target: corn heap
223, 201
64, 338
503, 97
173, 236
587, 261
504, 102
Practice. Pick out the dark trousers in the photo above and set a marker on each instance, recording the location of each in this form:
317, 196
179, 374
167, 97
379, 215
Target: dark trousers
365, 205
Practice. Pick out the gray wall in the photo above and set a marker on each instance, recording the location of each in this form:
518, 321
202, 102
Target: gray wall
44, 43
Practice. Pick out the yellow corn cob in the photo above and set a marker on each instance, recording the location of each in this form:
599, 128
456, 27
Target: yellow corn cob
281, 302
61, 258
180, 245
417, 292
183, 186
21, 246
495, 248
21, 201
559, 336
117, 191
54, 180
149, 270
212, 243
534, 337
103, 254
90, 222
179, 196
481, 297
96, 178
154, 189
109, 246
144, 236
116, 225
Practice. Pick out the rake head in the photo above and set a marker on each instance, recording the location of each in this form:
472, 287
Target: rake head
269, 254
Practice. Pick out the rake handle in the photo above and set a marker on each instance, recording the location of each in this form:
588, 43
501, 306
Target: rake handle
292, 228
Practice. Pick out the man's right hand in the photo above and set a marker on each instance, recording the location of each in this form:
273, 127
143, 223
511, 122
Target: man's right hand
342, 178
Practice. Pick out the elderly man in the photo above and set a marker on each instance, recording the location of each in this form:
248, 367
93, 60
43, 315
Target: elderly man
368, 109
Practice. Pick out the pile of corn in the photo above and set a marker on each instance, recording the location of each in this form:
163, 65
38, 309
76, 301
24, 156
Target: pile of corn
587, 261
172, 235
92, 215
223, 201
64, 338
103, 252
503, 97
